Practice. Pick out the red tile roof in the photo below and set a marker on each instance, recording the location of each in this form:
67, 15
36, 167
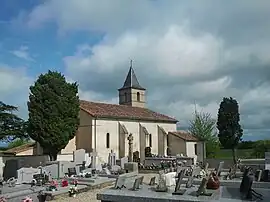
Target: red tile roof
19, 149
103, 110
184, 135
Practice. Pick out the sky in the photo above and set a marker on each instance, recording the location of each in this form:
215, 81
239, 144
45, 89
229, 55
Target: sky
183, 52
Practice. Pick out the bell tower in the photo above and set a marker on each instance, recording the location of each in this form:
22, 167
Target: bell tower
132, 93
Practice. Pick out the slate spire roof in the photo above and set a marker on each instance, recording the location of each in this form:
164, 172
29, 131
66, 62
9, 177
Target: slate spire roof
131, 80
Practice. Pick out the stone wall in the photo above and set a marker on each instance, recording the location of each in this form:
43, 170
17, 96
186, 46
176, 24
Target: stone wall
213, 163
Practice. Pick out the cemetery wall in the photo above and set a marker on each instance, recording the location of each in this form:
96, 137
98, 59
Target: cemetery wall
213, 163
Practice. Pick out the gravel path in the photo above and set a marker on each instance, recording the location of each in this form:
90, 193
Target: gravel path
91, 196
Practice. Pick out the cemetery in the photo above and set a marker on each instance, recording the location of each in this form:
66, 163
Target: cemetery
179, 179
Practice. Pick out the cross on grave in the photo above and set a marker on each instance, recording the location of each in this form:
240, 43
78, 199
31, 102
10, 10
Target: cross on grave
220, 167
152, 181
178, 190
120, 183
93, 160
202, 188
130, 148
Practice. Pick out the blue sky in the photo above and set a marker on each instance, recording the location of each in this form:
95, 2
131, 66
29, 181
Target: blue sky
183, 52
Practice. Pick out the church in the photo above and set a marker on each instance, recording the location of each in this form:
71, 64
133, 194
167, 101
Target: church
105, 127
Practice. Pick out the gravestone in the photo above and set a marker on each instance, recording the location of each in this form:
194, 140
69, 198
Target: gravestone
79, 156
93, 156
120, 183
136, 185
107, 171
246, 188
178, 190
202, 188
196, 172
220, 167
123, 161
141, 180
161, 187
87, 160
130, 148
72, 171
267, 160
25, 175
112, 159
189, 183
52, 170
258, 175
244, 179
152, 181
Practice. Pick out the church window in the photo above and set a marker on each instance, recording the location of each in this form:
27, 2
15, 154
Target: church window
195, 149
138, 97
150, 140
108, 140
167, 140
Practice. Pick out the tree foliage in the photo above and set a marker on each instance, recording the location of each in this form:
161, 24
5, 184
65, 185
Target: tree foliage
230, 131
53, 112
260, 148
11, 126
203, 126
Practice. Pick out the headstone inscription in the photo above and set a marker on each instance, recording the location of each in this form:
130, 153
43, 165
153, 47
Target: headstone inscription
178, 190
120, 183
152, 181
130, 148
202, 188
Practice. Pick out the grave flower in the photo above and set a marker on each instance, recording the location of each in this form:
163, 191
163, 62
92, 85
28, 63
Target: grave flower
73, 191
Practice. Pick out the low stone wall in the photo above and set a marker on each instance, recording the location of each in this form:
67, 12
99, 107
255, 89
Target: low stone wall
254, 163
157, 160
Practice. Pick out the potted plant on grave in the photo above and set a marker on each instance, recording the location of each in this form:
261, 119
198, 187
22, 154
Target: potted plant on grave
73, 191
3, 199
53, 186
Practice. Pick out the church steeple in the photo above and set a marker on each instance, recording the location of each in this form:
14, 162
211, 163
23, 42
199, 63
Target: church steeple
131, 80
132, 93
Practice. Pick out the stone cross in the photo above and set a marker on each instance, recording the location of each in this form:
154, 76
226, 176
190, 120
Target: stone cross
130, 148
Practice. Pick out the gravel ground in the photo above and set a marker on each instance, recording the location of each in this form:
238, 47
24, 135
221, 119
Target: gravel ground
91, 196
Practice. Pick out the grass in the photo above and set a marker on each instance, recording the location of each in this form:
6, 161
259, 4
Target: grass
241, 153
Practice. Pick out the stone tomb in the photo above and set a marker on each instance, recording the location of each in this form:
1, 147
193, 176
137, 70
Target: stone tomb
61, 168
25, 175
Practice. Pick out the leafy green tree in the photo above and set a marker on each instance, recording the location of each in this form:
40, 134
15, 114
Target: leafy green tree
230, 131
53, 112
260, 148
11, 126
203, 126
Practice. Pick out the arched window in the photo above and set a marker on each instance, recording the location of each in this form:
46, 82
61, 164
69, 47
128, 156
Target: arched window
138, 97
108, 140
125, 97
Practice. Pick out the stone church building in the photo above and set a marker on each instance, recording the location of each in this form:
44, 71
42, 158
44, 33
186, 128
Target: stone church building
105, 127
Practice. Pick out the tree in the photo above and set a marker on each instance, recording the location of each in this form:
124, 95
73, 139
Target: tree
260, 148
11, 126
53, 112
230, 131
203, 126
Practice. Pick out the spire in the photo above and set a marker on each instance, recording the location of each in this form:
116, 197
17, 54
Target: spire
131, 80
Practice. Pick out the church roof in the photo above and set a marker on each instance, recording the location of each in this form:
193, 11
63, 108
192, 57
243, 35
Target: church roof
184, 135
131, 80
104, 110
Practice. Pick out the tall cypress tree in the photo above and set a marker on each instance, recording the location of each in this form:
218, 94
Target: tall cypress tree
230, 131
53, 112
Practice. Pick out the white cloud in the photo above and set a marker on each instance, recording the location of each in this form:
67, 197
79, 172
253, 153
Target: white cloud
14, 87
23, 53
